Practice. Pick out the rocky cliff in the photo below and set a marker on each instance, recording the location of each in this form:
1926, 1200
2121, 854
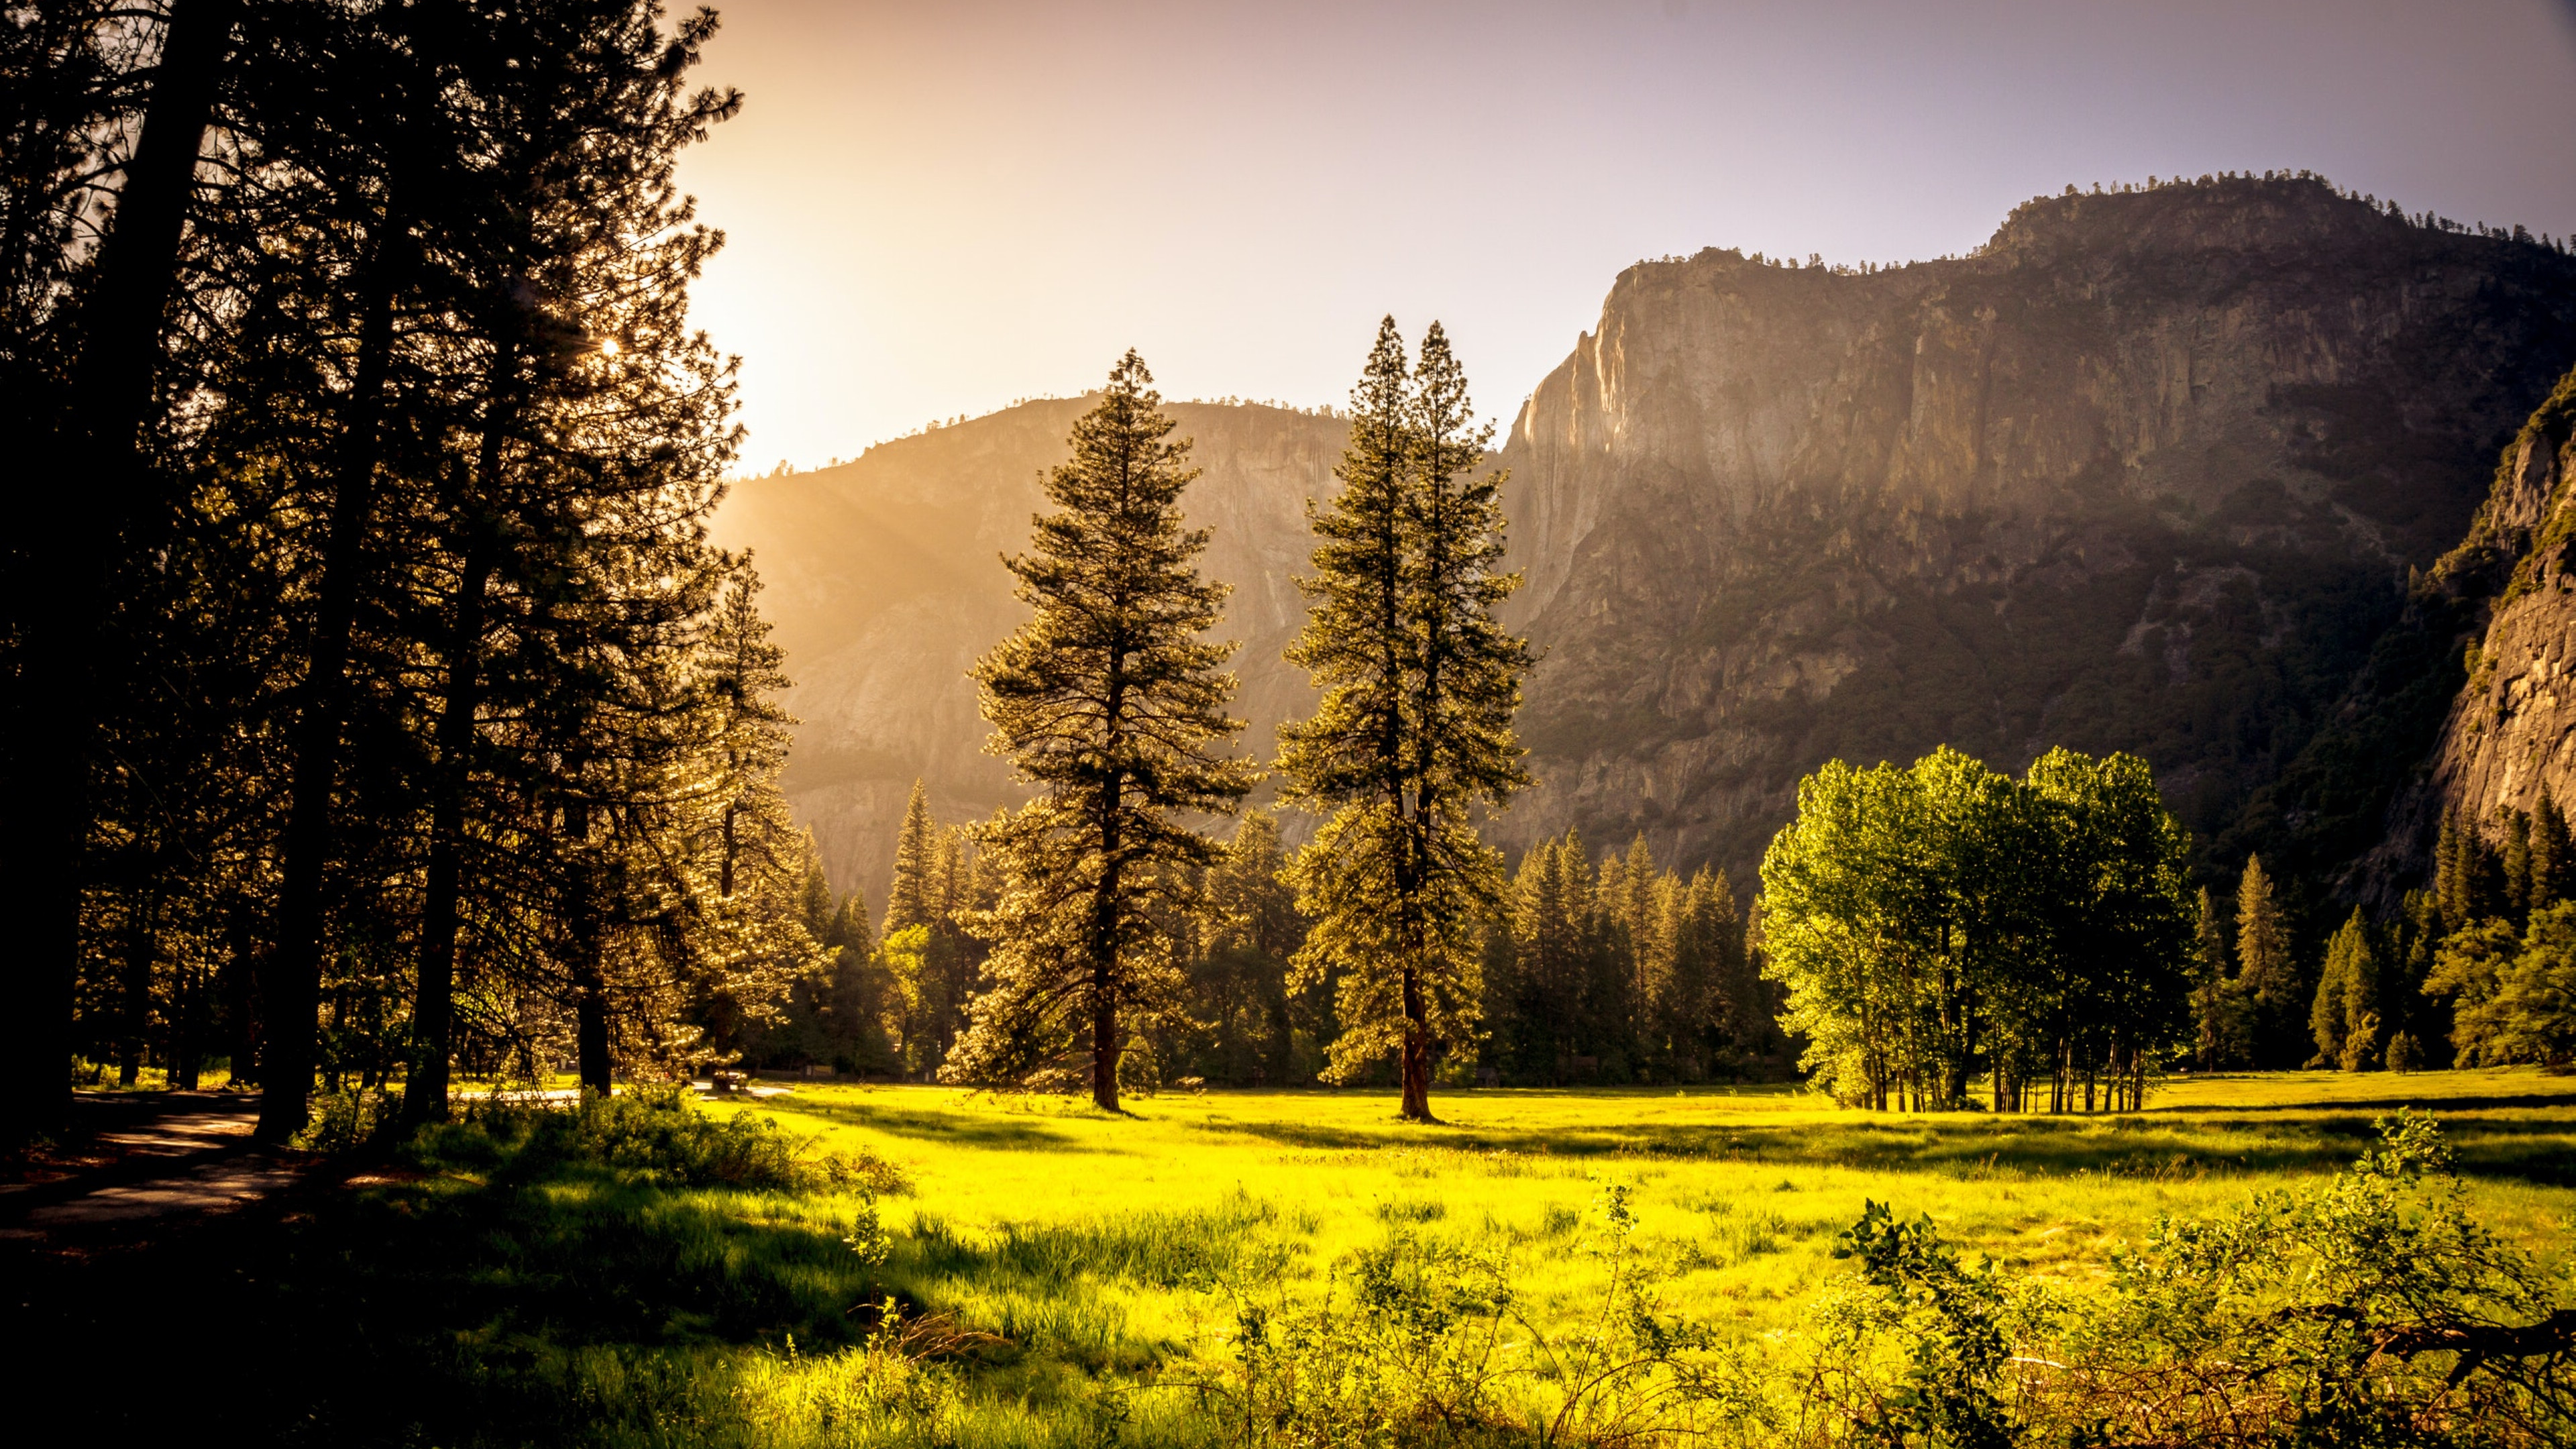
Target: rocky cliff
2511, 733
885, 583
2149, 471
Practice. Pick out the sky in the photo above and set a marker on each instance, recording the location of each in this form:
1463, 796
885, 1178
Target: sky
935, 209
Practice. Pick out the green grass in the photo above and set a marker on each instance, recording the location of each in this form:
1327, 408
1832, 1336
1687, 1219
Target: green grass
1741, 1191
1063, 1273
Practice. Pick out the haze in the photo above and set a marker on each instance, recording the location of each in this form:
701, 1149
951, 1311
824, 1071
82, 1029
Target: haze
936, 209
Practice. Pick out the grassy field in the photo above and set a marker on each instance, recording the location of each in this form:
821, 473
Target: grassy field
1738, 1190
1067, 1276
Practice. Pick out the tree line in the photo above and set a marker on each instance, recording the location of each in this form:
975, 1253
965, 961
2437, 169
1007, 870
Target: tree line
2476, 969
376, 706
1615, 972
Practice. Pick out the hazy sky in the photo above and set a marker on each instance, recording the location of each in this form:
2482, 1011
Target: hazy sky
935, 208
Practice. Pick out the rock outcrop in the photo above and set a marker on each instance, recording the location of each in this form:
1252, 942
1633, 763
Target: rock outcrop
2511, 734
885, 584
2147, 472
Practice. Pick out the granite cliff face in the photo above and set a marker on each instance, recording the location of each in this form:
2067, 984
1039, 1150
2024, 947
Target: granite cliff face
885, 584
2511, 734
2147, 472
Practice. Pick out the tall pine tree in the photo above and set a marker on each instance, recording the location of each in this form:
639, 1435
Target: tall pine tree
1111, 703
2267, 975
1420, 684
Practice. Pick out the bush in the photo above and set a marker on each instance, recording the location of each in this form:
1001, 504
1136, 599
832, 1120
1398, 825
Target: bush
657, 1137
347, 1120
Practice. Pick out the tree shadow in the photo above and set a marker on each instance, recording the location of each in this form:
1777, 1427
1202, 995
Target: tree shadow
544, 1305
957, 1129
1977, 1145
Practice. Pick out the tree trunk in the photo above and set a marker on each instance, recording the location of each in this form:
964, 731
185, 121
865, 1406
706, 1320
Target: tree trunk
140, 909
433, 1015
187, 1042
589, 964
1104, 951
1417, 1049
53, 719
292, 985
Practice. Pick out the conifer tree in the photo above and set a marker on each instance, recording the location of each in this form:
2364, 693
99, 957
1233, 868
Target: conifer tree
908, 900
2268, 977
2218, 1000
1110, 703
2549, 855
1415, 728
2347, 994
2514, 864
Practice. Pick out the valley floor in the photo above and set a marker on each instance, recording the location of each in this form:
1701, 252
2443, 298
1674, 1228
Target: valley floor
1069, 1276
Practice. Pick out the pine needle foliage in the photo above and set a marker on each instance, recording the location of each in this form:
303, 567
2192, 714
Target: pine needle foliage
1111, 702
1414, 730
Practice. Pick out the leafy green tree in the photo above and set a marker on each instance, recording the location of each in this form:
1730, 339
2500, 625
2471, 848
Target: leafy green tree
1111, 703
2512, 995
2124, 906
1930, 920
1414, 731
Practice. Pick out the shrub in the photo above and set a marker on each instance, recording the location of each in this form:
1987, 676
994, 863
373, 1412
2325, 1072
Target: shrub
346, 1120
658, 1137
2372, 1310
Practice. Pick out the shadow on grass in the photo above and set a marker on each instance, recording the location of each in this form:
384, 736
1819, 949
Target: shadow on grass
2531, 1102
1974, 1144
956, 1129
527, 1304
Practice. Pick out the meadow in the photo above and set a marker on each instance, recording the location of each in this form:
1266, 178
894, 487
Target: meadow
1036, 1272
1739, 1192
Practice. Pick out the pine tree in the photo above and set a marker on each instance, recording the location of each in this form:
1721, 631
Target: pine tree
1414, 731
2269, 978
2347, 992
2218, 1001
908, 900
1109, 702
1251, 931
2514, 865
2550, 862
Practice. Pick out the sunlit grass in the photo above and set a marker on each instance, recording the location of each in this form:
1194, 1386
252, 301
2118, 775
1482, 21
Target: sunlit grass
1033, 1215
1059, 1276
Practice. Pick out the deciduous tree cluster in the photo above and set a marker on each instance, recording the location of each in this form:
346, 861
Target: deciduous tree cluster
1943, 923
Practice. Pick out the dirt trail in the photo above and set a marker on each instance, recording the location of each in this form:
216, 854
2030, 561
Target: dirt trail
143, 1159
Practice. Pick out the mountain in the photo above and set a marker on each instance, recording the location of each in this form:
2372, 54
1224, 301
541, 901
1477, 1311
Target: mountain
885, 583
2151, 470
2148, 471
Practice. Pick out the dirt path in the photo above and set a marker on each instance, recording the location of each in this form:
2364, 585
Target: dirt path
139, 1160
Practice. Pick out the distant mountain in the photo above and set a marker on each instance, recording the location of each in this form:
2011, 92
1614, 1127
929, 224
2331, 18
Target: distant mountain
885, 582
2148, 471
